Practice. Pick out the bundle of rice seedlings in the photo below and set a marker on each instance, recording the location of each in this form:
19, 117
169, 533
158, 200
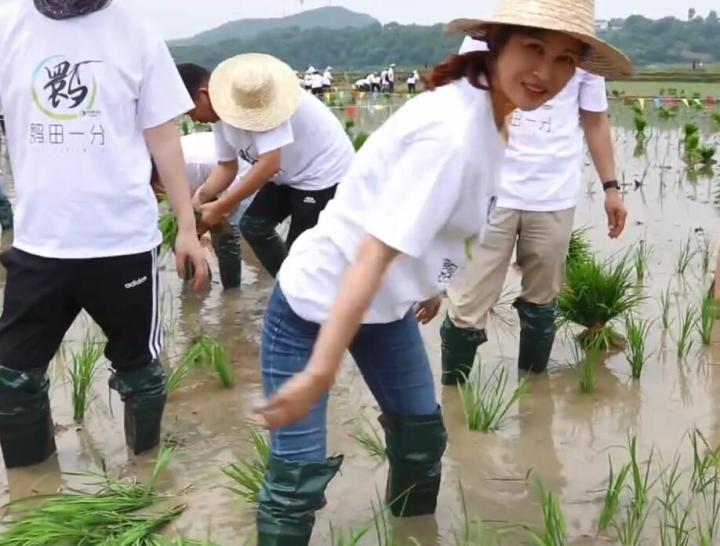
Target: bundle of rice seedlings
115, 515
207, 351
707, 155
249, 475
168, 225
580, 248
82, 375
595, 294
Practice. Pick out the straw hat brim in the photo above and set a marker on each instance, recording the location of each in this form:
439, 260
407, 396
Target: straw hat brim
602, 58
272, 113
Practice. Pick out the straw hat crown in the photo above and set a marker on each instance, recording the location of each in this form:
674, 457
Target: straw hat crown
573, 17
254, 92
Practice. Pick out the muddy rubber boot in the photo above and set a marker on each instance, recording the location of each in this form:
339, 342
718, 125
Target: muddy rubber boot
537, 335
226, 243
459, 347
27, 434
144, 393
415, 446
269, 248
6, 214
289, 498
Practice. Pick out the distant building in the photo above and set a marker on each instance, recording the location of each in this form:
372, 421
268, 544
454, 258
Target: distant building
602, 25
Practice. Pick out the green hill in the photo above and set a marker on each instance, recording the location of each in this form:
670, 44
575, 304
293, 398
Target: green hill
667, 41
247, 29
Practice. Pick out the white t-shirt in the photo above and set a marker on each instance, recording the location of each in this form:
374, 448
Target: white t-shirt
391, 75
423, 184
76, 103
543, 164
317, 81
316, 151
327, 78
200, 160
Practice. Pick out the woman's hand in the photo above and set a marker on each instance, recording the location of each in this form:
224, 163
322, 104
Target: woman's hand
427, 310
295, 399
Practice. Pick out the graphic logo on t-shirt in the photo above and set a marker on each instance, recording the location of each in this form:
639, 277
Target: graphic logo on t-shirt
448, 271
64, 90
247, 156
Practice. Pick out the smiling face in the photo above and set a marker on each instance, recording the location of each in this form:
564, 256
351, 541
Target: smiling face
533, 67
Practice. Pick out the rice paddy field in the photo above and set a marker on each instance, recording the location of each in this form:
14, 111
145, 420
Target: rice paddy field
619, 444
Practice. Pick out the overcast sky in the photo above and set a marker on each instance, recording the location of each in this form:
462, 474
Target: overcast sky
180, 18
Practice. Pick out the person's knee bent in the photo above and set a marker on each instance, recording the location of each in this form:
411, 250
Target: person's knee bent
255, 228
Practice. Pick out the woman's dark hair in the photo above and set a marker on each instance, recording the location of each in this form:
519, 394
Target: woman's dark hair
475, 64
194, 77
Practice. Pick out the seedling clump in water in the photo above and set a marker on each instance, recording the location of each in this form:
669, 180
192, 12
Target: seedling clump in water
594, 295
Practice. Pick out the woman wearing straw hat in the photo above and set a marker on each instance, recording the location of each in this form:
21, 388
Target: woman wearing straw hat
417, 196
298, 150
536, 200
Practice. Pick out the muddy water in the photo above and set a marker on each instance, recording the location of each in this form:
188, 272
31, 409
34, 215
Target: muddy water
555, 432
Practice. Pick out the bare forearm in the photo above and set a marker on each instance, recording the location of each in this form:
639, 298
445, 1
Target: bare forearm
219, 180
256, 178
164, 145
359, 286
596, 126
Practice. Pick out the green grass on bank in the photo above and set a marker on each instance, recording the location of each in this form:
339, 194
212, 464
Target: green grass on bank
654, 88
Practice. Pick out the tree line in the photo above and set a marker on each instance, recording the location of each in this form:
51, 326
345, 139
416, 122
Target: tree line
646, 41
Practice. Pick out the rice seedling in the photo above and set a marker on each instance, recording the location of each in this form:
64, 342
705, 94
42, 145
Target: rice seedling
486, 402
206, 350
554, 527
669, 517
707, 155
611, 504
353, 537
715, 116
168, 225
706, 251
641, 256
636, 333
580, 248
708, 314
594, 295
473, 532
690, 130
249, 475
640, 126
685, 330
685, 258
82, 374
706, 462
665, 299
586, 367
706, 529
365, 434
177, 374
359, 140
630, 530
115, 515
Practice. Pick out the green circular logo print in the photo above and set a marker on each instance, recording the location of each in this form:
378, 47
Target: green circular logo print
64, 90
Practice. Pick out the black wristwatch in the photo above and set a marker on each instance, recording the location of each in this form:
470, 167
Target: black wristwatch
611, 185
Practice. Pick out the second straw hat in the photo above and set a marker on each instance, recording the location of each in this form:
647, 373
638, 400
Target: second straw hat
573, 17
254, 92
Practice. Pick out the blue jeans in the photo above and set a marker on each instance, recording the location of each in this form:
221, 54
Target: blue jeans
391, 358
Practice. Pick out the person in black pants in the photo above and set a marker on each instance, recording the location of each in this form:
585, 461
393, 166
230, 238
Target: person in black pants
298, 150
86, 233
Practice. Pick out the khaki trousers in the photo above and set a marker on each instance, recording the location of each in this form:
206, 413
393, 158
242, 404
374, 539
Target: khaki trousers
542, 240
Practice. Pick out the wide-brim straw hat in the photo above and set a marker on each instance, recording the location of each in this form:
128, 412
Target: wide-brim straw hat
254, 92
575, 18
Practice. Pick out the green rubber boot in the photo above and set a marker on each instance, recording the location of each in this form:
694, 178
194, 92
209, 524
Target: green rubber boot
415, 446
27, 434
226, 242
537, 335
269, 248
291, 494
6, 213
459, 347
144, 393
